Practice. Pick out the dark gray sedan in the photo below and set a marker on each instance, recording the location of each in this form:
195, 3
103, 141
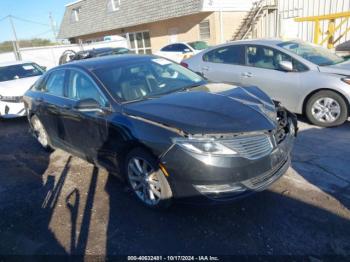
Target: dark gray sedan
163, 128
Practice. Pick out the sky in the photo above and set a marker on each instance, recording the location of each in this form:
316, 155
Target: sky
34, 10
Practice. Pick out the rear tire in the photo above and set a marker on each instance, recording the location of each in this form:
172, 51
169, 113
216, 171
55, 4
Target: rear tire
146, 180
40, 133
327, 109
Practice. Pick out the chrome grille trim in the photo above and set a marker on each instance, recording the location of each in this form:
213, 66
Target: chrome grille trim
251, 147
266, 179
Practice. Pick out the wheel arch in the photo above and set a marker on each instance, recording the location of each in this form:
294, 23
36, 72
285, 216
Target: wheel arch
307, 98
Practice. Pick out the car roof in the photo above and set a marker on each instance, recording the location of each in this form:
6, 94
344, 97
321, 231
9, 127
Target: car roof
105, 61
260, 41
11, 63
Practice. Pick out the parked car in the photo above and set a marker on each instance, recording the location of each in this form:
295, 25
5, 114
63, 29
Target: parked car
166, 129
70, 55
343, 50
179, 51
305, 78
15, 79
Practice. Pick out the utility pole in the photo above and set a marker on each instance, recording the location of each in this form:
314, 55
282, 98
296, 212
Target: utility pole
15, 43
222, 39
53, 26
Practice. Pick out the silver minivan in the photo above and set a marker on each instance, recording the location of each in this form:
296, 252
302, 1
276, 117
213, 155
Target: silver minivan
305, 78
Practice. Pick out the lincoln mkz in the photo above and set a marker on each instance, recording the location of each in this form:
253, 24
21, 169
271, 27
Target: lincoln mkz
167, 131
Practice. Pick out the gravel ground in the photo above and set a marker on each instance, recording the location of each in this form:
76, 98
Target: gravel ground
59, 204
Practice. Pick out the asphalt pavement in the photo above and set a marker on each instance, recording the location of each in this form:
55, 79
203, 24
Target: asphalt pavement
54, 203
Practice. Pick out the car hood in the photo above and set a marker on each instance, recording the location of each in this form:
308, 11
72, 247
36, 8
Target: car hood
340, 69
209, 109
17, 87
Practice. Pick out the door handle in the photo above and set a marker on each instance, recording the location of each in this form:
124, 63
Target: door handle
40, 99
205, 68
247, 74
67, 107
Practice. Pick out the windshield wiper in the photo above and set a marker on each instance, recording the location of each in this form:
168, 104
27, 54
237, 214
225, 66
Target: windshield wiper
186, 88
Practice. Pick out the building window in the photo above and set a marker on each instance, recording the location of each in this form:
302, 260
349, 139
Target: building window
140, 42
113, 5
204, 30
74, 17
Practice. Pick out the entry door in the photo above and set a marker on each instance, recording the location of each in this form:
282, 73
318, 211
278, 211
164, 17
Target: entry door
263, 71
87, 131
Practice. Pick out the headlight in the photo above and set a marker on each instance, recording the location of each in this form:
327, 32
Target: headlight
207, 147
346, 80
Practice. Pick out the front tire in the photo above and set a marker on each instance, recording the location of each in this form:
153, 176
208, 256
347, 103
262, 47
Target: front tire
146, 180
327, 109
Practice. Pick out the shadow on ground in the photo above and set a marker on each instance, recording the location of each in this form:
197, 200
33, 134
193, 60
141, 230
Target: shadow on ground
26, 201
57, 204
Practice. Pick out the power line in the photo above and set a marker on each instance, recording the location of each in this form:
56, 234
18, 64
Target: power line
5, 17
43, 33
28, 21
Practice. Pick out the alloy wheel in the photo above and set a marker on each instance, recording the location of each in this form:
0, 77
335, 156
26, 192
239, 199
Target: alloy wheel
40, 132
144, 181
326, 110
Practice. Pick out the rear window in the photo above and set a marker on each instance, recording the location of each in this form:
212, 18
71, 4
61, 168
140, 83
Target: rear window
13, 72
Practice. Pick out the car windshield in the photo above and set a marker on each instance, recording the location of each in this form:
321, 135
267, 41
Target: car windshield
13, 72
199, 45
146, 78
315, 54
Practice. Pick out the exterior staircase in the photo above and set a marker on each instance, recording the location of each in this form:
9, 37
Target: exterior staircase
246, 27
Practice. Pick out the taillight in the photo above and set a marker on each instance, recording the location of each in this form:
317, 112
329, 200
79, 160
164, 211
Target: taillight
184, 64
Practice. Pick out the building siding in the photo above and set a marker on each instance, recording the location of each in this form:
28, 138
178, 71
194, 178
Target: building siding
95, 17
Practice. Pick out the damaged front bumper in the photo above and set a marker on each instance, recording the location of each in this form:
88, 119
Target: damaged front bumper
221, 178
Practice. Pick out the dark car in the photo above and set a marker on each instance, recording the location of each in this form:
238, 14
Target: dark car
70, 55
165, 129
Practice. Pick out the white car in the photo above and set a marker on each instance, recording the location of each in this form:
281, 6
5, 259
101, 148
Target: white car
307, 79
15, 79
179, 51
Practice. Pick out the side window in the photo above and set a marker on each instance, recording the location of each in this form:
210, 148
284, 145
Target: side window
80, 86
262, 57
55, 83
39, 84
269, 58
179, 48
167, 48
233, 55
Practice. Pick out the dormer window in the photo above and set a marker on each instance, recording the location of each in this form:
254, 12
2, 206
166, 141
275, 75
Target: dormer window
113, 5
74, 17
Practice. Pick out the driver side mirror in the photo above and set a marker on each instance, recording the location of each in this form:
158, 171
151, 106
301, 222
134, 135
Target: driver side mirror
286, 66
86, 105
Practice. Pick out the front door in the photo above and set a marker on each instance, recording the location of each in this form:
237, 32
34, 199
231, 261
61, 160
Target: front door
263, 71
87, 131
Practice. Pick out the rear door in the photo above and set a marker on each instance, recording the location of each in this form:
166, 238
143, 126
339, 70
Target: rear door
224, 64
50, 101
263, 70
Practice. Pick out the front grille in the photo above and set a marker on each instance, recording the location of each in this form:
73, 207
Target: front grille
11, 99
251, 147
266, 178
